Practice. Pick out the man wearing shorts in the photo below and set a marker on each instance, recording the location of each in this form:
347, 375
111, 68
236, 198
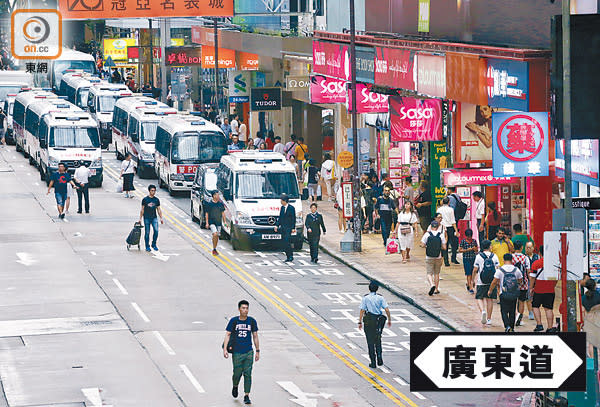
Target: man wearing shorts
543, 294
59, 181
485, 300
215, 216
433, 255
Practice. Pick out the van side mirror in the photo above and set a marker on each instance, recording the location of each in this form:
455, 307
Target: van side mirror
227, 194
135, 137
43, 143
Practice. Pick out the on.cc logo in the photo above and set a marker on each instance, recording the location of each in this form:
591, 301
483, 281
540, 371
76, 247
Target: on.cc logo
85, 5
36, 29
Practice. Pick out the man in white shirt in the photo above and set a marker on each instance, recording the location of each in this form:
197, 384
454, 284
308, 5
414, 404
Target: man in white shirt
242, 131
449, 222
485, 299
480, 213
509, 278
82, 177
278, 147
433, 255
235, 125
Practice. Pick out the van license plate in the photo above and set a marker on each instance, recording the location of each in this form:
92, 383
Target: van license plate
271, 237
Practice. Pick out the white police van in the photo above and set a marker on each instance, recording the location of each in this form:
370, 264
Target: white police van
251, 183
33, 116
135, 121
101, 102
13, 82
22, 100
8, 106
76, 87
69, 138
183, 142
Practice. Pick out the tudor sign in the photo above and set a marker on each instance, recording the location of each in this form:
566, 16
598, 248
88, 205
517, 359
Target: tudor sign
265, 99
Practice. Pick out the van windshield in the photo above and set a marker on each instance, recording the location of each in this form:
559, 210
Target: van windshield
82, 97
210, 181
268, 185
82, 137
60, 67
191, 148
106, 104
149, 131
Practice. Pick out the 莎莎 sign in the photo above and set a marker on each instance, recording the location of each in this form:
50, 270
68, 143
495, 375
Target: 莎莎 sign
394, 68
327, 90
414, 119
368, 102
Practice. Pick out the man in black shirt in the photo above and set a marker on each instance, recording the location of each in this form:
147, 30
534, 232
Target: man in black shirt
214, 218
314, 224
385, 209
148, 215
423, 205
286, 225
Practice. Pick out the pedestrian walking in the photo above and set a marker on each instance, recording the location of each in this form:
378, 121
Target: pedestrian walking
278, 147
59, 181
423, 205
290, 147
433, 242
371, 307
215, 216
409, 192
242, 130
226, 128
286, 225
327, 169
242, 331
301, 150
449, 222
127, 173
407, 224
484, 268
519, 236
82, 176
509, 278
480, 214
521, 262
313, 175
149, 215
543, 294
492, 220
314, 224
2, 131
270, 140
338, 205
468, 248
533, 257
501, 244
385, 209
235, 125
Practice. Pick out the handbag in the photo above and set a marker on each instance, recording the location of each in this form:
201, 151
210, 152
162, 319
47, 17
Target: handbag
392, 246
405, 228
232, 338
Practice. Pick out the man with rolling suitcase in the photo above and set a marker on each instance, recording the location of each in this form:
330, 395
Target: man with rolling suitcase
148, 217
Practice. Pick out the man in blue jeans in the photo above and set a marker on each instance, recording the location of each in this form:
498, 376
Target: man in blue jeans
148, 215
385, 209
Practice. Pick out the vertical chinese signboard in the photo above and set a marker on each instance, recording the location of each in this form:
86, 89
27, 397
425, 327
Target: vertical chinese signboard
439, 159
424, 12
508, 84
520, 144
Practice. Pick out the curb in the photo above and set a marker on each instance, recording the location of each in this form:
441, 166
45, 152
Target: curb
448, 322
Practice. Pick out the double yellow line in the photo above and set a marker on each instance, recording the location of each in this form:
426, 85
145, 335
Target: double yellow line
385, 387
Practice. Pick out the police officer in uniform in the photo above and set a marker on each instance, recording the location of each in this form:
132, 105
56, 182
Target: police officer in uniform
371, 312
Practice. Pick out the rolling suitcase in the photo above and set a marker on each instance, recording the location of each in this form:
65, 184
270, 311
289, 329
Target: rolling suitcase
304, 194
134, 236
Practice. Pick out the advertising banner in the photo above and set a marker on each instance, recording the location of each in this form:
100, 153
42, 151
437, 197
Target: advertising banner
116, 48
395, 68
465, 78
226, 58
102, 9
134, 52
431, 75
295, 83
363, 147
327, 90
248, 61
520, 144
331, 59
584, 161
239, 86
365, 64
475, 177
439, 158
183, 56
265, 99
204, 35
508, 84
368, 102
423, 22
415, 119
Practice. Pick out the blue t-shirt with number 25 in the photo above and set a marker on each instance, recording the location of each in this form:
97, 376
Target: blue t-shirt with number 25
243, 331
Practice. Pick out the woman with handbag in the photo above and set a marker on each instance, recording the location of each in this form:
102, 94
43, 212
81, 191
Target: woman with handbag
407, 224
127, 173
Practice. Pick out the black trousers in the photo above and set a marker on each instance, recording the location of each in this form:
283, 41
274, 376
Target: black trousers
424, 221
373, 331
452, 244
286, 241
386, 225
481, 233
83, 192
507, 310
313, 244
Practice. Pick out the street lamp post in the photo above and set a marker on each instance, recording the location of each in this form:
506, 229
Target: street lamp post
357, 244
216, 66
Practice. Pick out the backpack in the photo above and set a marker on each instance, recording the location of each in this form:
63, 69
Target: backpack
433, 247
510, 285
460, 210
489, 269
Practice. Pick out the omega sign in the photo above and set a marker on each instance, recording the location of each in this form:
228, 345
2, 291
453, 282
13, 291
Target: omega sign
265, 99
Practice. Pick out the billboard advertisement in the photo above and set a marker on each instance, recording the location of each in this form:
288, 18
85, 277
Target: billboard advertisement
508, 84
415, 119
431, 75
239, 86
327, 90
76, 9
368, 102
473, 135
394, 67
226, 57
116, 48
331, 59
584, 161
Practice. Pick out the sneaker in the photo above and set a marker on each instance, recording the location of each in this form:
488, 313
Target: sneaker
471, 291
531, 316
507, 329
234, 392
379, 361
489, 322
483, 317
78, 211
291, 259
148, 249
154, 248
61, 216
538, 328
247, 399
552, 329
215, 252
519, 319
431, 290
455, 261
372, 365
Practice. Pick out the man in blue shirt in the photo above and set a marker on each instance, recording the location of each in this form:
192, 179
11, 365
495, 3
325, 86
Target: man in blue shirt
371, 312
239, 329
226, 127
59, 181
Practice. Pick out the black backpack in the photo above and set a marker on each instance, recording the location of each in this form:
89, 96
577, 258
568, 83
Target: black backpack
460, 210
489, 269
232, 337
433, 247
510, 285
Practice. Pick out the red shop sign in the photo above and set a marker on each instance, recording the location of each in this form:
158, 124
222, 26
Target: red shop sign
395, 68
331, 59
475, 177
368, 102
414, 119
431, 75
327, 90
183, 56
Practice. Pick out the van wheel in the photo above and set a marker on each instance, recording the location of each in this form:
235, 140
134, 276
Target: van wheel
119, 155
298, 245
31, 162
194, 218
235, 243
42, 175
171, 192
161, 184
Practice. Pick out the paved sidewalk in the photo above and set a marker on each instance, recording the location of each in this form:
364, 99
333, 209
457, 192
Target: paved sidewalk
454, 306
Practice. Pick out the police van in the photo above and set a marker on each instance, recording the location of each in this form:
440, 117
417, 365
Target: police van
8, 106
69, 138
101, 102
76, 87
33, 115
182, 143
135, 120
22, 100
13, 82
251, 184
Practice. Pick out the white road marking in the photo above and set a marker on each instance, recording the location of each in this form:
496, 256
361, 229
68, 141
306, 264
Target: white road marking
77, 234
298, 304
29, 174
366, 356
25, 259
384, 370
120, 286
93, 395
188, 220
338, 335
287, 296
312, 314
238, 260
191, 378
400, 381
325, 325
92, 253
66, 220
257, 273
301, 398
419, 395
247, 266
276, 287
140, 312
458, 299
228, 252
265, 279
197, 322
351, 345
37, 184
164, 343
109, 272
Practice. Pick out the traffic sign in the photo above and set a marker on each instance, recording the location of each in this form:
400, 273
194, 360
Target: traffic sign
109, 62
347, 196
345, 159
458, 361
